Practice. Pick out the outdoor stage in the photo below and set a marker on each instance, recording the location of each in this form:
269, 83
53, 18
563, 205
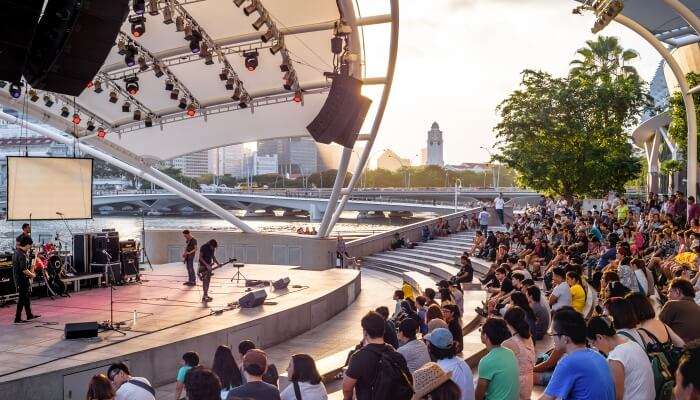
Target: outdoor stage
37, 363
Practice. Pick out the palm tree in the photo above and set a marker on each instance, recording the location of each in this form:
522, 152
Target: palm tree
604, 57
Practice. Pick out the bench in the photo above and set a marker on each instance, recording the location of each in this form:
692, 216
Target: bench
76, 280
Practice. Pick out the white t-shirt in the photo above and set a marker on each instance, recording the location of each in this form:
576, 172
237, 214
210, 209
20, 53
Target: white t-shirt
639, 378
499, 203
563, 293
461, 375
308, 392
129, 391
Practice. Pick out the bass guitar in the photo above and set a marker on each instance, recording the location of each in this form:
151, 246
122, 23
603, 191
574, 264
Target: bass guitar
204, 272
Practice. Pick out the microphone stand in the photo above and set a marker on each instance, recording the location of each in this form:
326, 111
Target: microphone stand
109, 325
143, 240
70, 266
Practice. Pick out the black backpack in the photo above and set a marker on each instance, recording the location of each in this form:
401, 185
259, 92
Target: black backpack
393, 380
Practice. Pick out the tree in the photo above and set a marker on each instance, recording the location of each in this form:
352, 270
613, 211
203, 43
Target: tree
678, 128
176, 174
566, 135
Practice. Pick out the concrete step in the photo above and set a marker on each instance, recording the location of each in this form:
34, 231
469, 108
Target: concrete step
428, 264
393, 260
386, 269
444, 246
428, 255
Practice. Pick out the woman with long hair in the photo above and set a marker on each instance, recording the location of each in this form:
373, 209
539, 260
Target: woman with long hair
100, 388
305, 380
225, 367
519, 299
521, 344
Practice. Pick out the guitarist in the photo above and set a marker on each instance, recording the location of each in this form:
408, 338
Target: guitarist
188, 257
23, 276
207, 260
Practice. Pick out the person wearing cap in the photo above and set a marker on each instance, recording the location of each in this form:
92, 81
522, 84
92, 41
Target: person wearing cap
414, 351
254, 367
441, 346
431, 382
498, 369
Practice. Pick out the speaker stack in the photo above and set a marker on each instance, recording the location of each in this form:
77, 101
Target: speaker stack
7, 279
128, 254
105, 255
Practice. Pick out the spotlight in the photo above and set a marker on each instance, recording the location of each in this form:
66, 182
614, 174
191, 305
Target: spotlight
262, 20
175, 94
203, 50
90, 126
101, 133
251, 8
191, 110
251, 60
15, 90
143, 65
126, 107
278, 46
239, 3
209, 59
337, 45
245, 98
76, 119
121, 45
196, 37
139, 7
98, 86
148, 121
223, 75
47, 101
183, 103
113, 97
64, 112
130, 56
236, 94
179, 24
169, 85
286, 62
33, 96
157, 70
153, 7
298, 96
289, 79
188, 32
3, 84
132, 85
137, 115
230, 83
167, 15
267, 36
138, 26
606, 12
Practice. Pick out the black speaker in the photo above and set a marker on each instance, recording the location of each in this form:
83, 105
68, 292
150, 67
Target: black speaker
7, 278
82, 254
79, 330
281, 284
253, 299
343, 113
19, 20
105, 242
130, 262
72, 41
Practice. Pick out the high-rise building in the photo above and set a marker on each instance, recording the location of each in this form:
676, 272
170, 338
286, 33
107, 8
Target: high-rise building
435, 145
295, 156
193, 165
263, 165
227, 160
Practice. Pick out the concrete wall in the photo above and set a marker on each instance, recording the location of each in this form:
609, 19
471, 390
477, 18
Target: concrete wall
164, 246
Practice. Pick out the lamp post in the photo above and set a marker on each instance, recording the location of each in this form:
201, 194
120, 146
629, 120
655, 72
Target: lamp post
456, 188
496, 178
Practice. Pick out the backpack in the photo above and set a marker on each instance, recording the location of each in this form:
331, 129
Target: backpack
664, 378
392, 379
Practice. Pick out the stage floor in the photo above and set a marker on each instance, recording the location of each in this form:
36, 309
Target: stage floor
166, 312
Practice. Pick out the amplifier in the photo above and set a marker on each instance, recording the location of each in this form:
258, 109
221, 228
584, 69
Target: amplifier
105, 242
130, 263
80, 330
7, 280
128, 246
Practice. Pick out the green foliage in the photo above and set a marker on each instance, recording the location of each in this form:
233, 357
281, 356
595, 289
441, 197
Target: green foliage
176, 174
326, 179
435, 176
678, 129
567, 135
668, 167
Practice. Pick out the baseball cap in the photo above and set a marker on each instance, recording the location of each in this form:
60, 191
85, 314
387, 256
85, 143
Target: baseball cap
440, 338
255, 362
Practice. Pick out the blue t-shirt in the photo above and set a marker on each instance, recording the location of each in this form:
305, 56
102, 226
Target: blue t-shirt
182, 372
582, 375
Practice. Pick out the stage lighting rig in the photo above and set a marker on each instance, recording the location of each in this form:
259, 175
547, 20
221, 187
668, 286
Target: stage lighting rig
278, 46
153, 7
121, 45
298, 96
3, 84
15, 90
139, 7
126, 107
167, 15
236, 94
138, 25
33, 96
606, 11
179, 24
113, 97
148, 121
64, 112
230, 84
76, 119
175, 94
132, 85
188, 32
191, 110
48, 102
195, 39
243, 103
130, 55
267, 36
157, 70
251, 60
223, 75
290, 80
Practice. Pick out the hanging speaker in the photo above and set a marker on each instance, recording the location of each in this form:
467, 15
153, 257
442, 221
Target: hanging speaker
16, 33
253, 298
343, 113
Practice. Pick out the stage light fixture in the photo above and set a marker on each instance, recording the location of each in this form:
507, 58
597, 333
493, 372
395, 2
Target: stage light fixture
132, 85
15, 90
143, 65
262, 20
90, 126
195, 45
179, 24
251, 60
64, 112
130, 56
183, 103
203, 50
137, 115
286, 63
169, 85
290, 79
175, 94
76, 119
138, 26
167, 15
139, 7
113, 97
298, 96
223, 75
48, 102
157, 70
239, 3
33, 96
230, 84
209, 59
153, 7
3, 84
191, 110
101, 133
97, 86
188, 32
148, 121
267, 36
277, 47
250, 8
245, 99
236, 94
126, 107
337, 45
121, 45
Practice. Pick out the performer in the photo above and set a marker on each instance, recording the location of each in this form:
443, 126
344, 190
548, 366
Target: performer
23, 276
26, 232
207, 260
188, 257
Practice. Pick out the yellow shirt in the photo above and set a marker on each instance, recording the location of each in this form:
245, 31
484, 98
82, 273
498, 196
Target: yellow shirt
578, 298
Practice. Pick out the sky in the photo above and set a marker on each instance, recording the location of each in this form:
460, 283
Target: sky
458, 59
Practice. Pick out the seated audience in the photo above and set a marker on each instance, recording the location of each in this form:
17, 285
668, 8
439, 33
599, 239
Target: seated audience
681, 313
254, 367
540, 312
498, 369
432, 383
441, 346
191, 360
688, 373
521, 344
202, 384
390, 336
100, 388
226, 369
561, 295
305, 380
270, 376
414, 351
129, 387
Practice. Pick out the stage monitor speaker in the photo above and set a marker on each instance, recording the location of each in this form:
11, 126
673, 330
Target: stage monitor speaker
107, 241
79, 330
281, 284
20, 18
253, 299
72, 42
343, 113
82, 253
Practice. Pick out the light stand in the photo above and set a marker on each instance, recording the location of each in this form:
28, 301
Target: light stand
143, 240
109, 325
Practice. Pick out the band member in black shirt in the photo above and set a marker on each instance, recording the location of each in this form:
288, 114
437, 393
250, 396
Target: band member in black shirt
207, 260
188, 257
26, 232
23, 275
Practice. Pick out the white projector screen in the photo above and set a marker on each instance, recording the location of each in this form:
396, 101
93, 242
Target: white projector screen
42, 187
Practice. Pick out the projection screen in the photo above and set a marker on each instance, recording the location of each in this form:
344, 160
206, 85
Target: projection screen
42, 187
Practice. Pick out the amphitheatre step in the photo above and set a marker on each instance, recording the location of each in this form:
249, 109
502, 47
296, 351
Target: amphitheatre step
410, 258
406, 263
418, 280
457, 249
428, 255
384, 269
444, 243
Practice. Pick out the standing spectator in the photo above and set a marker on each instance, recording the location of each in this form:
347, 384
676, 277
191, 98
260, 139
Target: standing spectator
693, 210
441, 346
254, 367
271, 375
483, 220
498, 370
629, 363
341, 252
688, 373
202, 384
578, 295
498, 204
306, 381
129, 387
188, 257
363, 371
681, 313
521, 344
561, 295
226, 368
541, 312
390, 329
432, 383
100, 388
414, 351
582, 374
191, 360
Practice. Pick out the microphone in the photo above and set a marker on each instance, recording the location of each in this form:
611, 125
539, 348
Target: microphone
59, 213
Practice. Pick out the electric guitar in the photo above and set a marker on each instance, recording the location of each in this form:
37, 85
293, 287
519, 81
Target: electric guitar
204, 272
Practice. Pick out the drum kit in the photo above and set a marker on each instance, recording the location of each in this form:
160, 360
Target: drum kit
50, 263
